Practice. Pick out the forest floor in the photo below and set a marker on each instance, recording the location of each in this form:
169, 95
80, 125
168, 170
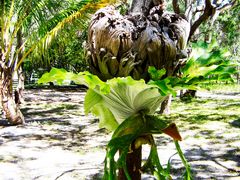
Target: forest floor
60, 142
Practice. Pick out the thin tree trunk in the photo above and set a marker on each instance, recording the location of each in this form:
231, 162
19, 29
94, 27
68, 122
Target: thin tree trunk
238, 75
19, 91
165, 106
19, 99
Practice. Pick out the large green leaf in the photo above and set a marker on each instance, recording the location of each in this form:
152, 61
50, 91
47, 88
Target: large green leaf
107, 120
56, 75
120, 97
208, 60
94, 103
148, 100
91, 99
128, 96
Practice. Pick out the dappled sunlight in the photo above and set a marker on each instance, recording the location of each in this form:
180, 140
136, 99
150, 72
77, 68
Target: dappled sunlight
57, 137
60, 142
210, 131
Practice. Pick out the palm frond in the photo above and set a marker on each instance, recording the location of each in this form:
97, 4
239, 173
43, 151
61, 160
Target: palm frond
87, 6
17, 13
7, 13
46, 26
10, 16
40, 12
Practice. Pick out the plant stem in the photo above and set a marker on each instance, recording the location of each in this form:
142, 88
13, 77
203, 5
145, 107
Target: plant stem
133, 160
184, 161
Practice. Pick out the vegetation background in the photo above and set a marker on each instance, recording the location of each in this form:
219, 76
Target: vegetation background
40, 34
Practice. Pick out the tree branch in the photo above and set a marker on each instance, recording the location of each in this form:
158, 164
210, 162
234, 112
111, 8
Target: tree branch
227, 6
208, 10
189, 11
187, 3
141, 6
176, 6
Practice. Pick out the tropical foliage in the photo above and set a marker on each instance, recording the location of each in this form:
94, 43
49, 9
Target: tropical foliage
66, 51
28, 27
122, 104
207, 63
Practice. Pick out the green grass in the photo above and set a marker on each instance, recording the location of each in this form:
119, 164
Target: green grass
223, 88
201, 111
210, 119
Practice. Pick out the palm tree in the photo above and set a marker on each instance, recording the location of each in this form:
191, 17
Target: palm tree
28, 26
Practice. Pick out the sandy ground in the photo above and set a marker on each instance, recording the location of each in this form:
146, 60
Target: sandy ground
60, 142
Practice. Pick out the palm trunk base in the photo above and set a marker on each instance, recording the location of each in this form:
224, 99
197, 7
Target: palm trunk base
12, 112
10, 108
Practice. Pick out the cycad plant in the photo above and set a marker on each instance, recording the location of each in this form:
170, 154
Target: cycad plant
28, 26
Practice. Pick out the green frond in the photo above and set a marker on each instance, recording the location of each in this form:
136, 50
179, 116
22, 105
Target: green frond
10, 16
40, 21
46, 26
7, 16
41, 12
87, 7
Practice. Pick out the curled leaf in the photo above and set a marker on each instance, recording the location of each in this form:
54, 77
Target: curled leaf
172, 131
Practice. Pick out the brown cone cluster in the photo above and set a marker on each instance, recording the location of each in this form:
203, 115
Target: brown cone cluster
122, 45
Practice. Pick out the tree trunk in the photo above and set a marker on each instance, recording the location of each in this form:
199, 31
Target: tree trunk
238, 75
9, 100
19, 91
165, 106
188, 95
10, 108
19, 99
